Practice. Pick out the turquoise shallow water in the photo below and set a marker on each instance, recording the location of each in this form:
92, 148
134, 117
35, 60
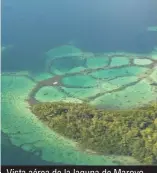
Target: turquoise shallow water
31, 135
30, 29
120, 86
24, 157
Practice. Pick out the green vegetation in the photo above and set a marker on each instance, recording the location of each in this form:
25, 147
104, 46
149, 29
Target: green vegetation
130, 132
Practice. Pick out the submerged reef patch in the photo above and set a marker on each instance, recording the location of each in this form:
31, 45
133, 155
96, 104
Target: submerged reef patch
152, 28
97, 89
108, 80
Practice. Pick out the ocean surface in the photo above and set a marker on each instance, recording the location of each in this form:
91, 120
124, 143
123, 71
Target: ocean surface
32, 27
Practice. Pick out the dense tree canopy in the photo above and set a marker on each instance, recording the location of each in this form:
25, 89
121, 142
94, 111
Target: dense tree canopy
128, 132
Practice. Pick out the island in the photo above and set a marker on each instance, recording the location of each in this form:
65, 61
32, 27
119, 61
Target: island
127, 132
84, 108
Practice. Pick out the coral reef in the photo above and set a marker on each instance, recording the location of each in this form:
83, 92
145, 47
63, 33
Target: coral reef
71, 78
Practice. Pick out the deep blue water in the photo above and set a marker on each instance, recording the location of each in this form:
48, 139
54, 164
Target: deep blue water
12, 155
35, 26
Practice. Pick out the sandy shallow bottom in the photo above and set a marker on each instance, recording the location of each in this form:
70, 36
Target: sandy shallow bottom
114, 83
28, 133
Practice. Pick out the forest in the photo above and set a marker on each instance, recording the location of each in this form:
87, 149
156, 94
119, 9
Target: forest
118, 132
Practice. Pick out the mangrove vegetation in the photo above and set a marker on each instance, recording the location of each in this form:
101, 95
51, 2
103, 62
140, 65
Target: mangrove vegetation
126, 132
